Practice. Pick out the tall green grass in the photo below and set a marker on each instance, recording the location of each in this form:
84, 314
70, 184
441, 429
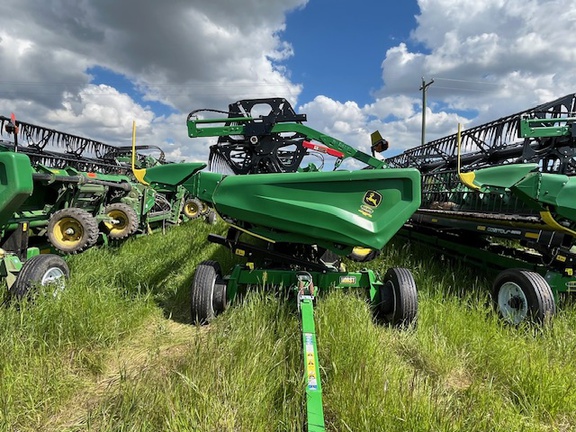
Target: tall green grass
243, 373
47, 346
117, 352
44, 344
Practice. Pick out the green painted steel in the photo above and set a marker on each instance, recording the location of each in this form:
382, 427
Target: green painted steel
38, 186
10, 266
560, 283
305, 285
239, 129
550, 190
242, 276
473, 255
203, 185
494, 262
503, 176
351, 208
542, 191
314, 408
299, 213
172, 174
16, 184
547, 127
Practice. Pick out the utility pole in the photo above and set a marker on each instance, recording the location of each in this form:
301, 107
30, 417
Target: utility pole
424, 87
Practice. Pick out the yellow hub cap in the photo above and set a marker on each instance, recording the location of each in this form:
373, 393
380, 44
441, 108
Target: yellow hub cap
121, 221
68, 232
191, 209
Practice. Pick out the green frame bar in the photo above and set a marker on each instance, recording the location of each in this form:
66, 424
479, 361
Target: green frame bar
238, 129
493, 262
314, 408
243, 275
546, 127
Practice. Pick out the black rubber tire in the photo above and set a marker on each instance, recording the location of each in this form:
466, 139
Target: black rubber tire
127, 218
220, 300
206, 209
40, 270
208, 292
72, 230
211, 217
521, 295
398, 298
193, 208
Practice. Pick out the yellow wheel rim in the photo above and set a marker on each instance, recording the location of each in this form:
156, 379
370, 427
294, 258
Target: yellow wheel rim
68, 233
121, 221
191, 209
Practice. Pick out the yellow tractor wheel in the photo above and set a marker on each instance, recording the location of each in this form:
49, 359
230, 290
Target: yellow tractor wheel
123, 220
71, 230
193, 208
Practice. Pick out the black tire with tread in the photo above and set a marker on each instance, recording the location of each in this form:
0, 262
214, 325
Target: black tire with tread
220, 300
398, 299
86, 224
538, 294
211, 217
208, 292
33, 272
128, 220
205, 208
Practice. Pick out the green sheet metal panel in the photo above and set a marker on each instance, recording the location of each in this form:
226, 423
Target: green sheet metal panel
16, 183
354, 208
172, 174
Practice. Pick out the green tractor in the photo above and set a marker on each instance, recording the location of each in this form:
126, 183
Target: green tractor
79, 200
22, 266
55, 203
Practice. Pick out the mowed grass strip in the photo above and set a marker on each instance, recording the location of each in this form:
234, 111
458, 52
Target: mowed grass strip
117, 352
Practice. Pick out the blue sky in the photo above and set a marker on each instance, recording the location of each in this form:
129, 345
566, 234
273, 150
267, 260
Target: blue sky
339, 48
91, 68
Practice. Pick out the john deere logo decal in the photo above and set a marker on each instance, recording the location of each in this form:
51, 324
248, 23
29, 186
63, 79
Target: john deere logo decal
371, 200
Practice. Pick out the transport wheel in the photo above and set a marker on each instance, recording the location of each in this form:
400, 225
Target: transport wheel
125, 220
211, 218
47, 270
72, 230
193, 208
205, 209
521, 295
398, 302
208, 292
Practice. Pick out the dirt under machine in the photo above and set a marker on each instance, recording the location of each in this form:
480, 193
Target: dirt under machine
501, 196
292, 223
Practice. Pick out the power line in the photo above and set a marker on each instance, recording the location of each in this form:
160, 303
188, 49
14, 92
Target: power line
469, 82
463, 89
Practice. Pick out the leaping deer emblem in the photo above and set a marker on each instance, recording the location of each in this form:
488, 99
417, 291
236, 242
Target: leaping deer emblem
372, 198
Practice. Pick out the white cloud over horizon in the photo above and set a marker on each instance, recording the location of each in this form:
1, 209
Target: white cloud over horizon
488, 59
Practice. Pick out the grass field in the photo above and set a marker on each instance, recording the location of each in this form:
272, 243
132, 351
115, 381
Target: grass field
116, 352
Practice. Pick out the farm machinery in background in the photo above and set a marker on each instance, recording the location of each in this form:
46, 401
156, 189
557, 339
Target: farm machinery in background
293, 223
502, 196
66, 202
